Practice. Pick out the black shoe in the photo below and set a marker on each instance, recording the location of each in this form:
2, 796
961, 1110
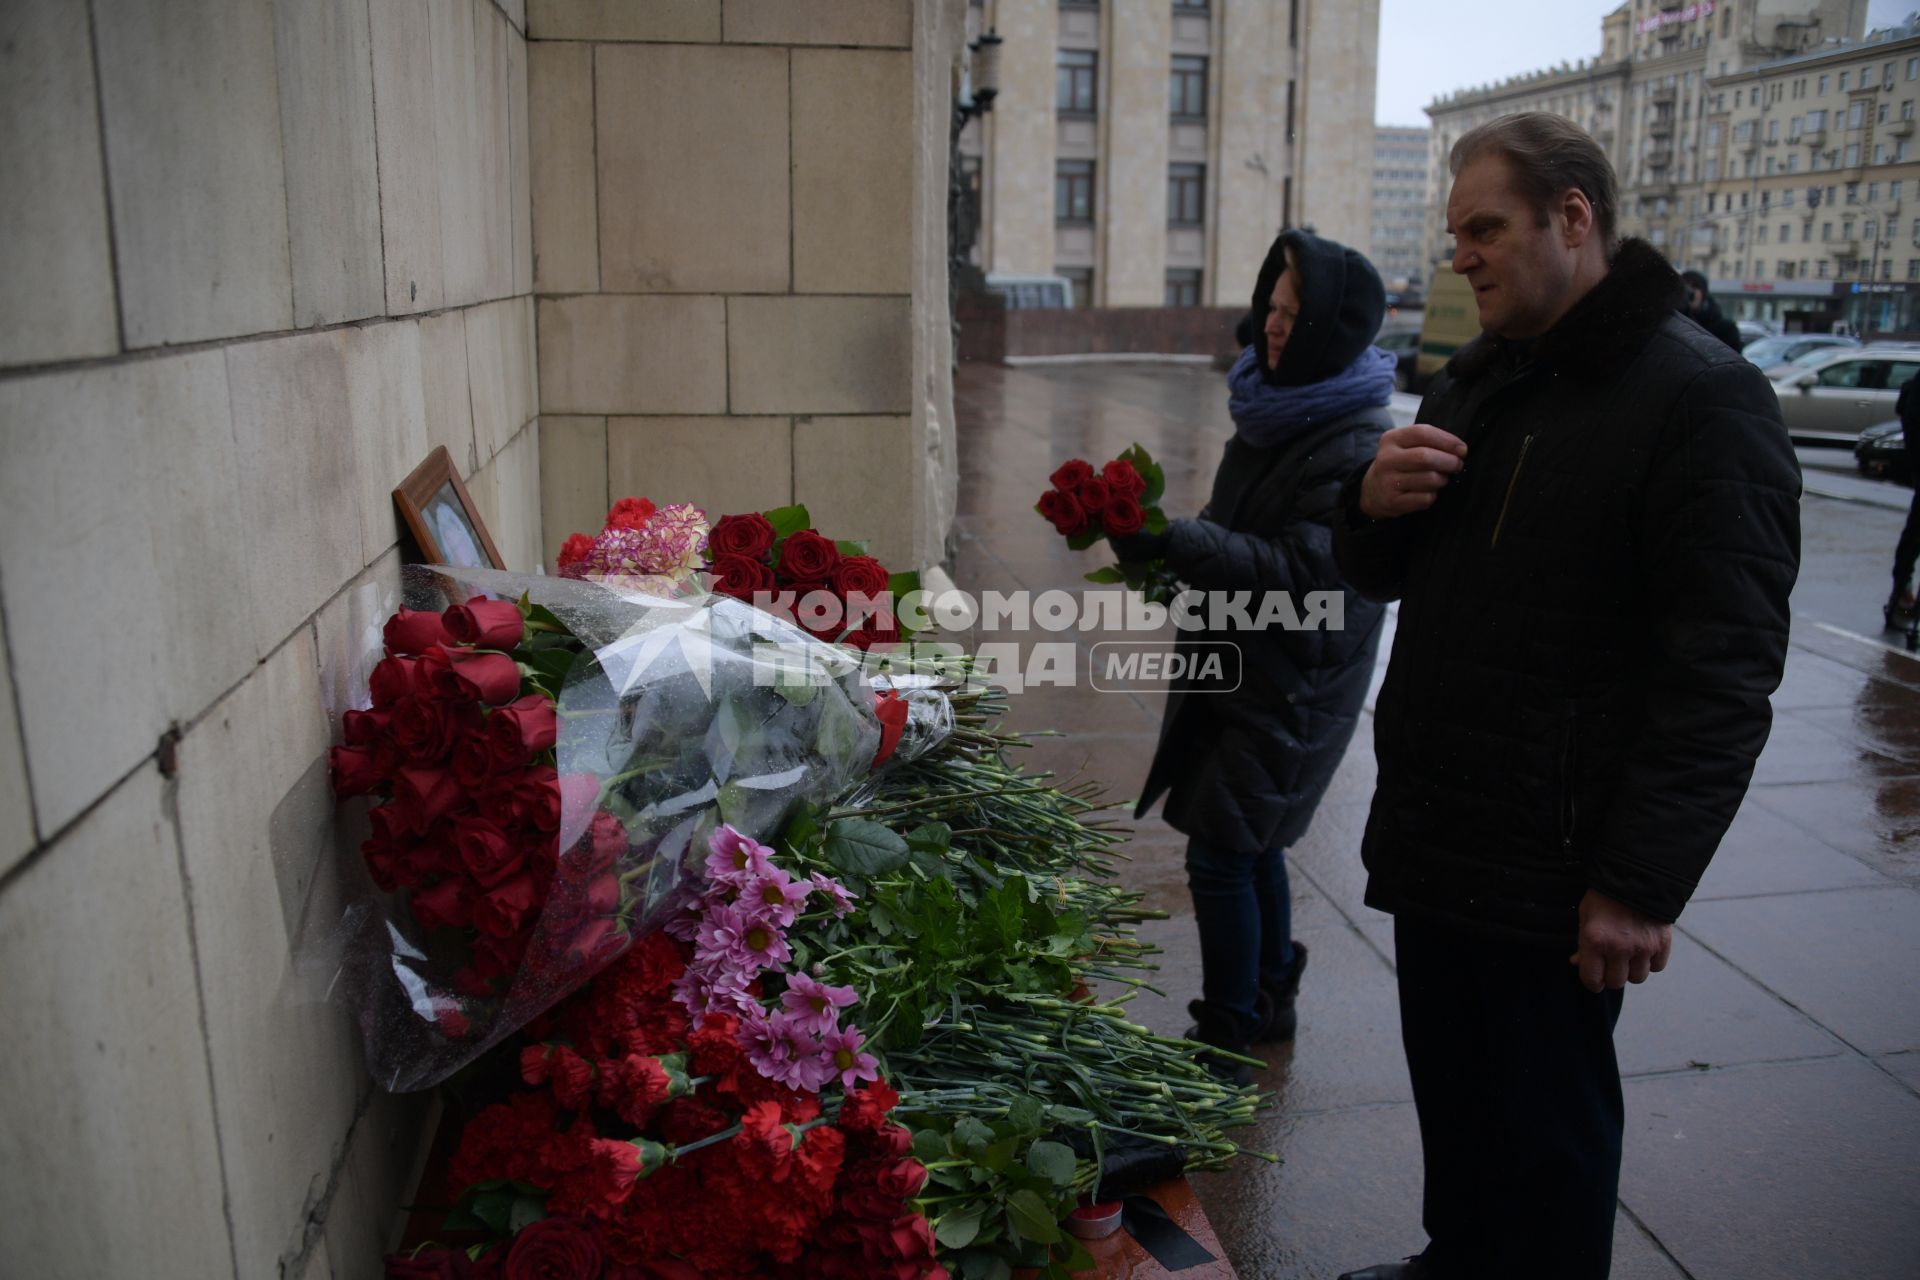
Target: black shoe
1411, 1269
1279, 994
1224, 1029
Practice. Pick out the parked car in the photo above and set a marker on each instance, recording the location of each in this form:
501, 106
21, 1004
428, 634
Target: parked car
1882, 451
1451, 320
1752, 331
1405, 346
1774, 355
1832, 402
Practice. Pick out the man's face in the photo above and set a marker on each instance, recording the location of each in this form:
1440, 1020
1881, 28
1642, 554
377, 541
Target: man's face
1521, 272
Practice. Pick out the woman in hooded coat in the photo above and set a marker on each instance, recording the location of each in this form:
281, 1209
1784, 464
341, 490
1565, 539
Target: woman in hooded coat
1244, 767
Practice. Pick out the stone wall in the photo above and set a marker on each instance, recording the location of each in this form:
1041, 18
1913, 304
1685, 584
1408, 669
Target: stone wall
259, 259
739, 254
1340, 51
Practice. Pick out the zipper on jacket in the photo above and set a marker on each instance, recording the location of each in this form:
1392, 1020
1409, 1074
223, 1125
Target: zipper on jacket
1512, 483
1569, 814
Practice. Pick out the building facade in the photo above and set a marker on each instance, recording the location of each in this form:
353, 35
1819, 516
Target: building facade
1401, 181
1718, 116
1150, 150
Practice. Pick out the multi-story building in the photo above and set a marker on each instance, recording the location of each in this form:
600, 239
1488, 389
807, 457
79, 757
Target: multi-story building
1401, 178
1150, 150
1717, 117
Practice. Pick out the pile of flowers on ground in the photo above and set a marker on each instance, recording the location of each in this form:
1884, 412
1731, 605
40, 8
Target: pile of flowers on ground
640, 541
1121, 498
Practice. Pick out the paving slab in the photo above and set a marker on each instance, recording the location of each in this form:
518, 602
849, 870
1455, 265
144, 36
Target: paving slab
1704, 1012
1763, 853
1875, 820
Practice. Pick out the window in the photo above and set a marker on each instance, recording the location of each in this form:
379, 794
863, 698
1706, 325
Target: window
1786, 232
1183, 287
1843, 81
1879, 153
1906, 109
1893, 190
1822, 90
1076, 76
1869, 230
1853, 193
1806, 232
1880, 117
1886, 74
1793, 162
1760, 233
1186, 195
1823, 264
1073, 191
1873, 193
1856, 115
1081, 278
1786, 269
1191, 5
1816, 120
1773, 130
1913, 268
1826, 232
1913, 68
1871, 374
1853, 154
1189, 88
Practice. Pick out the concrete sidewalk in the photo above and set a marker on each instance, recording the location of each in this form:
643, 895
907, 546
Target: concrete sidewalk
1773, 1072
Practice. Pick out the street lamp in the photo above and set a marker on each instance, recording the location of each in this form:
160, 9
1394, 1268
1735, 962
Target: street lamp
979, 86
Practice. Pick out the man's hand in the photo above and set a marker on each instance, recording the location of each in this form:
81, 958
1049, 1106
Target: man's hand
1412, 467
1618, 945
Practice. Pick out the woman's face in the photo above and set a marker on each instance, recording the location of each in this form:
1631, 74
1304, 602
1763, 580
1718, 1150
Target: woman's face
1284, 310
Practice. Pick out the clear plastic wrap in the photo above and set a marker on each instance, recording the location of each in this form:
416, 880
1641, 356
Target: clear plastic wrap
684, 711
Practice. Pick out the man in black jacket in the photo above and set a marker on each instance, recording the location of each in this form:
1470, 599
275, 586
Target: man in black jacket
1705, 312
1593, 529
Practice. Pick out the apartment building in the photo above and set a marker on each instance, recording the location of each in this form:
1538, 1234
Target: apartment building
1150, 150
1402, 180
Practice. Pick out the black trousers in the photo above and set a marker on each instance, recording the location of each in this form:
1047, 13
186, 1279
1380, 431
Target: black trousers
1518, 1092
1908, 549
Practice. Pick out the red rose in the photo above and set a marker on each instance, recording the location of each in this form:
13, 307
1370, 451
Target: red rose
499, 957
865, 1110
462, 675
486, 624
630, 513
487, 853
392, 680
572, 552
859, 575
740, 577
364, 728
423, 796
426, 730
807, 557
500, 910
1071, 474
521, 729
413, 631
1123, 479
891, 709
448, 903
891, 1140
472, 761
355, 771
553, 1249
750, 535
1093, 494
1123, 515
1061, 507
538, 792
424, 859
874, 631
428, 1264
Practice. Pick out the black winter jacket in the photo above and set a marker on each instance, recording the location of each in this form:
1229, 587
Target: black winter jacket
1592, 618
1246, 768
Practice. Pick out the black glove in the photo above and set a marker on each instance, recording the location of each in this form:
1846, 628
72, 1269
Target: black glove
1139, 548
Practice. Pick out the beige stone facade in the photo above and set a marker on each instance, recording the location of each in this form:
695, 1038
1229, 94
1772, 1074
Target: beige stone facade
259, 259
1204, 128
1402, 195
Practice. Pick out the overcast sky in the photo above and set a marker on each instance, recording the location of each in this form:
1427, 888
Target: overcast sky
1429, 48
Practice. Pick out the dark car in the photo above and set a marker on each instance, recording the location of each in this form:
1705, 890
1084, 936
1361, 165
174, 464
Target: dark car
1882, 451
1405, 346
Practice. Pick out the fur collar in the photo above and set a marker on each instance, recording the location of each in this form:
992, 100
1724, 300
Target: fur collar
1604, 329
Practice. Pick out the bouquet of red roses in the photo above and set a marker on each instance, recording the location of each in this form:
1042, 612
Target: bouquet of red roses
833, 590
1120, 498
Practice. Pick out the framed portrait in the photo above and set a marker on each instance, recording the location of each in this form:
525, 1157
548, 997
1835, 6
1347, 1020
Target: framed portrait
440, 516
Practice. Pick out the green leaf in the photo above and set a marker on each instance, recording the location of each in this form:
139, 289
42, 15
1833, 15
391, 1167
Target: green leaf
1084, 539
930, 1146
901, 584
1031, 1218
1026, 1114
526, 1211
1072, 1117
932, 837
1156, 520
851, 548
1077, 1259
998, 1158
786, 520
958, 1227
495, 1208
865, 848
1105, 576
970, 1132
1053, 1161
979, 1264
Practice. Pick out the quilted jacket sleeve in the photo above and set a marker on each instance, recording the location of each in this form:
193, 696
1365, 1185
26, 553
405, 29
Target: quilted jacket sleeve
1372, 554
1720, 549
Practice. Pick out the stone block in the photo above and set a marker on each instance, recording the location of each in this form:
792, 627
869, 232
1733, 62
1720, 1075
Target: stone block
378, 1176
347, 634
298, 491
566, 234
127, 470
506, 492
819, 355
111, 1168
388, 423
573, 480
855, 22
1131, 187
409, 153
444, 387
500, 372
56, 302
493, 84
516, 13
194, 162
16, 802
725, 466
256, 828
845, 470
520, 171
333, 179
608, 354
1021, 218
460, 128
661, 20
853, 170
692, 160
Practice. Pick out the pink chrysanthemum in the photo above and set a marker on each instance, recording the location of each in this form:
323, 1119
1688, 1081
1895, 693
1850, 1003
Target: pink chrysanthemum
736, 859
814, 1005
731, 937
838, 894
776, 895
702, 990
840, 1050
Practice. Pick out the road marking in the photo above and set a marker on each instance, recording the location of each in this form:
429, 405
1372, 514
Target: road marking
1866, 640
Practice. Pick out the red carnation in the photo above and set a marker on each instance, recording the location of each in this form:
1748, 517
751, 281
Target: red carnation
1123, 515
1093, 494
355, 771
741, 577
1064, 509
865, 1110
413, 631
1122, 478
891, 710
572, 552
486, 624
522, 729
1071, 475
553, 1249
630, 513
807, 557
749, 535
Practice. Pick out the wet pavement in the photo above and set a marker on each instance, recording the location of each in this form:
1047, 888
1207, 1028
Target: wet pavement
1772, 1072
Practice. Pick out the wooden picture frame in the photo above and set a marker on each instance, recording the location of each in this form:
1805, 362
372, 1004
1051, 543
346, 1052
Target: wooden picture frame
440, 515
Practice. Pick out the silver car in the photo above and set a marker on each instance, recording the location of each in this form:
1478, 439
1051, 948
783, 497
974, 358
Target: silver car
1774, 354
1834, 401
